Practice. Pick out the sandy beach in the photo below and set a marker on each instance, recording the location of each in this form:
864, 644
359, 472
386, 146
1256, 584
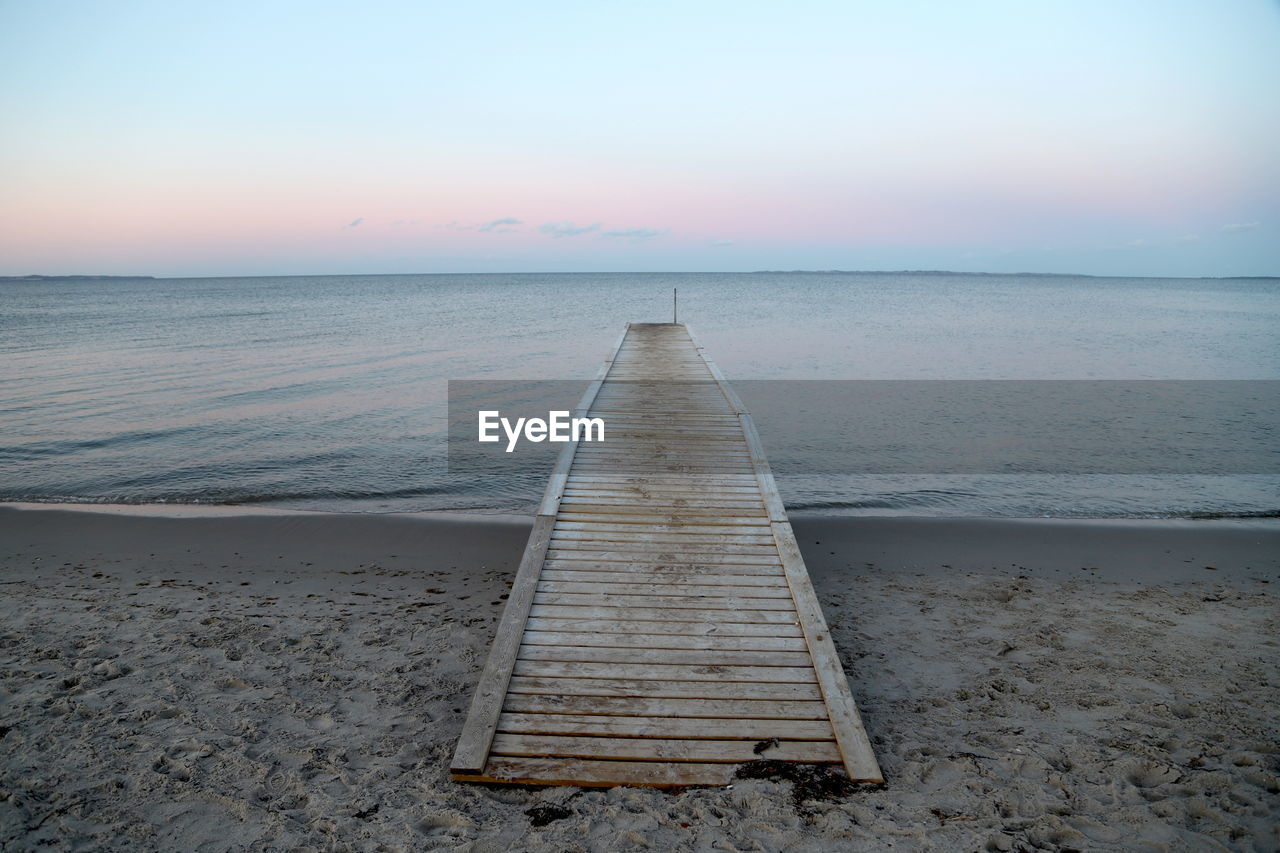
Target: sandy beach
218, 681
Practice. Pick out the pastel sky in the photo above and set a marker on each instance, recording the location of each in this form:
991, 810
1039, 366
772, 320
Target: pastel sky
240, 138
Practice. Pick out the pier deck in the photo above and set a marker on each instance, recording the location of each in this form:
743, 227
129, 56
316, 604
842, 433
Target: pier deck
662, 628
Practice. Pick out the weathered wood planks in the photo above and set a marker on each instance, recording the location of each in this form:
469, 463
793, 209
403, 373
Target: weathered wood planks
662, 627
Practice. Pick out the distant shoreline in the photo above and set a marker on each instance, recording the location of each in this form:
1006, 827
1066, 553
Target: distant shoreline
22, 278
74, 277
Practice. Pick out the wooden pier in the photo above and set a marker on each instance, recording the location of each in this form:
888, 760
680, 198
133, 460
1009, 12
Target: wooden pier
662, 628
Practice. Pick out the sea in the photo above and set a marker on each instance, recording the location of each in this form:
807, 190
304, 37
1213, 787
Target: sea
330, 392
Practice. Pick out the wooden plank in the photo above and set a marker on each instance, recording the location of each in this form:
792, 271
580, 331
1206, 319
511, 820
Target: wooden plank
713, 571
668, 727
702, 657
691, 481
638, 544
731, 451
610, 535
707, 501
560, 474
602, 459
711, 543
718, 629
653, 706
666, 589
585, 571
609, 451
659, 518
662, 537
753, 512
680, 574
651, 451
486, 704
672, 396
690, 448
664, 489
665, 749
859, 758
768, 487
663, 480
665, 672
602, 462
643, 491
760, 528
649, 455
667, 431
731, 396
661, 641
648, 416
692, 602
556, 686
701, 389
604, 610
659, 556
635, 465
650, 438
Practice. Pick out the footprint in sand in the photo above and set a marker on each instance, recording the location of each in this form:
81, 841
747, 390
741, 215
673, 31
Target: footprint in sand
1150, 774
109, 670
447, 826
1263, 780
322, 723
274, 786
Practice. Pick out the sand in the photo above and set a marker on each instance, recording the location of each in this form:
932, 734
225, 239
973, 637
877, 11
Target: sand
281, 681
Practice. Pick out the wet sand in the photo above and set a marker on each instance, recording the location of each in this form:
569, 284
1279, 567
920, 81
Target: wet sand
251, 680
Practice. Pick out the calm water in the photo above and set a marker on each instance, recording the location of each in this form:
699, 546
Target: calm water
329, 392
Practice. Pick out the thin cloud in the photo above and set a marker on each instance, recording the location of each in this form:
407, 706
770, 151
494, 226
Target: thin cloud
503, 225
1188, 238
566, 229
1238, 227
356, 222
722, 242
635, 235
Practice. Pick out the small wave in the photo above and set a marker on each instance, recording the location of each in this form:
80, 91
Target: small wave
864, 504
342, 495
227, 498
1264, 513
918, 499
45, 449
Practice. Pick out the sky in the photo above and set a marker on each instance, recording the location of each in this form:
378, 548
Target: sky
1122, 137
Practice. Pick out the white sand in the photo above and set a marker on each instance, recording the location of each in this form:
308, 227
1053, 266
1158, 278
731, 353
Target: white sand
298, 682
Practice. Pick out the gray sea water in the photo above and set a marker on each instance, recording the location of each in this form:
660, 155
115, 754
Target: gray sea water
329, 392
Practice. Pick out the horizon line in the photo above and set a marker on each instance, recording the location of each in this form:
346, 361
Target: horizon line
33, 277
